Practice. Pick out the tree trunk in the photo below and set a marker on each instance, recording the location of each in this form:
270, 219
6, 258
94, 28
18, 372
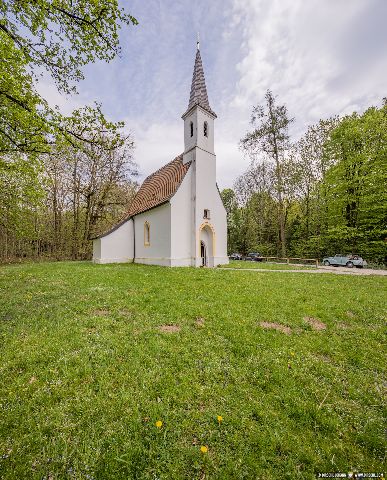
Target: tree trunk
279, 187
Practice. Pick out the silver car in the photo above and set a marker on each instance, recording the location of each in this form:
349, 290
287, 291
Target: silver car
345, 261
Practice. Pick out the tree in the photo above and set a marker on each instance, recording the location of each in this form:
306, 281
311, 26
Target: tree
94, 174
258, 208
312, 158
269, 139
329, 187
59, 37
51, 206
356, 182
20, 194
233, 220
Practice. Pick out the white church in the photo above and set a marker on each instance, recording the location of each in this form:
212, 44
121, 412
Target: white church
177, 217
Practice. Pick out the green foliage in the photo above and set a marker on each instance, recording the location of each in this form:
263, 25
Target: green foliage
86, 180
59, 37
22, 126
334, 195
62, 36
86, 373
233, 220
20, 194
356, 183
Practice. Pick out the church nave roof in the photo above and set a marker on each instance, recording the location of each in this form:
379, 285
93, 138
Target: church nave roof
160, 186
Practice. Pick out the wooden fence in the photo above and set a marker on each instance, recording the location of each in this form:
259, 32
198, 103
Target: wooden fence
292, 260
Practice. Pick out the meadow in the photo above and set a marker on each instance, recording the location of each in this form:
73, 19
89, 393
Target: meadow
142, 372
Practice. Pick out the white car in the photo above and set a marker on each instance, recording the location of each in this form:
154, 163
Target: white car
349, 261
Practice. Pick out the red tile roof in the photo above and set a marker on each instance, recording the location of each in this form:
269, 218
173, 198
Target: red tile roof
160, 186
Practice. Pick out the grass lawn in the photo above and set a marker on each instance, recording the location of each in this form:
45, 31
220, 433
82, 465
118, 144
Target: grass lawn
86, 373
266, 266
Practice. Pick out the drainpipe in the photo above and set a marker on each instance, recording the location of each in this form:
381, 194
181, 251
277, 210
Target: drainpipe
134, 240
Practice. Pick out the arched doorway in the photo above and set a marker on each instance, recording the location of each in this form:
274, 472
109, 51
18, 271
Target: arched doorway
206, 245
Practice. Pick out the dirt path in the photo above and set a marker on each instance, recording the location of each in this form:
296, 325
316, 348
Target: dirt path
334, 270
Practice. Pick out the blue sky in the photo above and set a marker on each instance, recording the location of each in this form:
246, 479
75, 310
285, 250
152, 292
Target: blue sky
321, 58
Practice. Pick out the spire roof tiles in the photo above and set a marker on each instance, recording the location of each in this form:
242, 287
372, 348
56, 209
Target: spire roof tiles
198, 94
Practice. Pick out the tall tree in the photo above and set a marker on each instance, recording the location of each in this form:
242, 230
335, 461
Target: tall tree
59, 37
20, 195
51, 206
269, 138
94, 171
312, 158
356, 182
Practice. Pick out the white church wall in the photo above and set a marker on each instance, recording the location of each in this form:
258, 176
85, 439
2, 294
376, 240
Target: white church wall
116, 247
158, 252
181, 224
208, 197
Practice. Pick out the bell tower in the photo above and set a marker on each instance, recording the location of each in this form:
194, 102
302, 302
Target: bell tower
199, 117
208, 216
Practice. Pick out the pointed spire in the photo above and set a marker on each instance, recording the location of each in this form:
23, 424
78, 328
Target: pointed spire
198, 94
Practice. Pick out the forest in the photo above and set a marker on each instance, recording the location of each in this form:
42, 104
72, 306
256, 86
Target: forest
320, 195
62, 178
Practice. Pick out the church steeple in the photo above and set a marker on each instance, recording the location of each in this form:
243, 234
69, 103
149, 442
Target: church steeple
198, 95
199, 116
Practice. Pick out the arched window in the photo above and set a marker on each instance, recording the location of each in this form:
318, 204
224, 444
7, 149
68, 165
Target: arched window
205, 129
191, 127
146, 234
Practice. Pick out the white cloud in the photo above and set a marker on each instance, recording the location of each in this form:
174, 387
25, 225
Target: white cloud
302, 51
156, 144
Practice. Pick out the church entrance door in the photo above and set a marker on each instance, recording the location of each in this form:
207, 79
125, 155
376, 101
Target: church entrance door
203, 254
206, 245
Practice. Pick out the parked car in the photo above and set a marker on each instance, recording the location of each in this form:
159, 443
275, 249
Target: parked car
345, 261
236, 256
254, 257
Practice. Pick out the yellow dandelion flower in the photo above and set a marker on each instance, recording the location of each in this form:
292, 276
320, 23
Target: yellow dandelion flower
220, 418
292, 354
204, 449
159, 424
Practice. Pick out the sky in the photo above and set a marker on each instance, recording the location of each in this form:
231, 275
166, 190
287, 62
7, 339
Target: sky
320, 57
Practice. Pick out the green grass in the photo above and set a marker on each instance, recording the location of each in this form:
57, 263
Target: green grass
265, 266
86, 373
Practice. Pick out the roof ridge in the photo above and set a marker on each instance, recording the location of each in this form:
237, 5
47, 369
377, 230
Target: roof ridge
160, 186
164, 166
